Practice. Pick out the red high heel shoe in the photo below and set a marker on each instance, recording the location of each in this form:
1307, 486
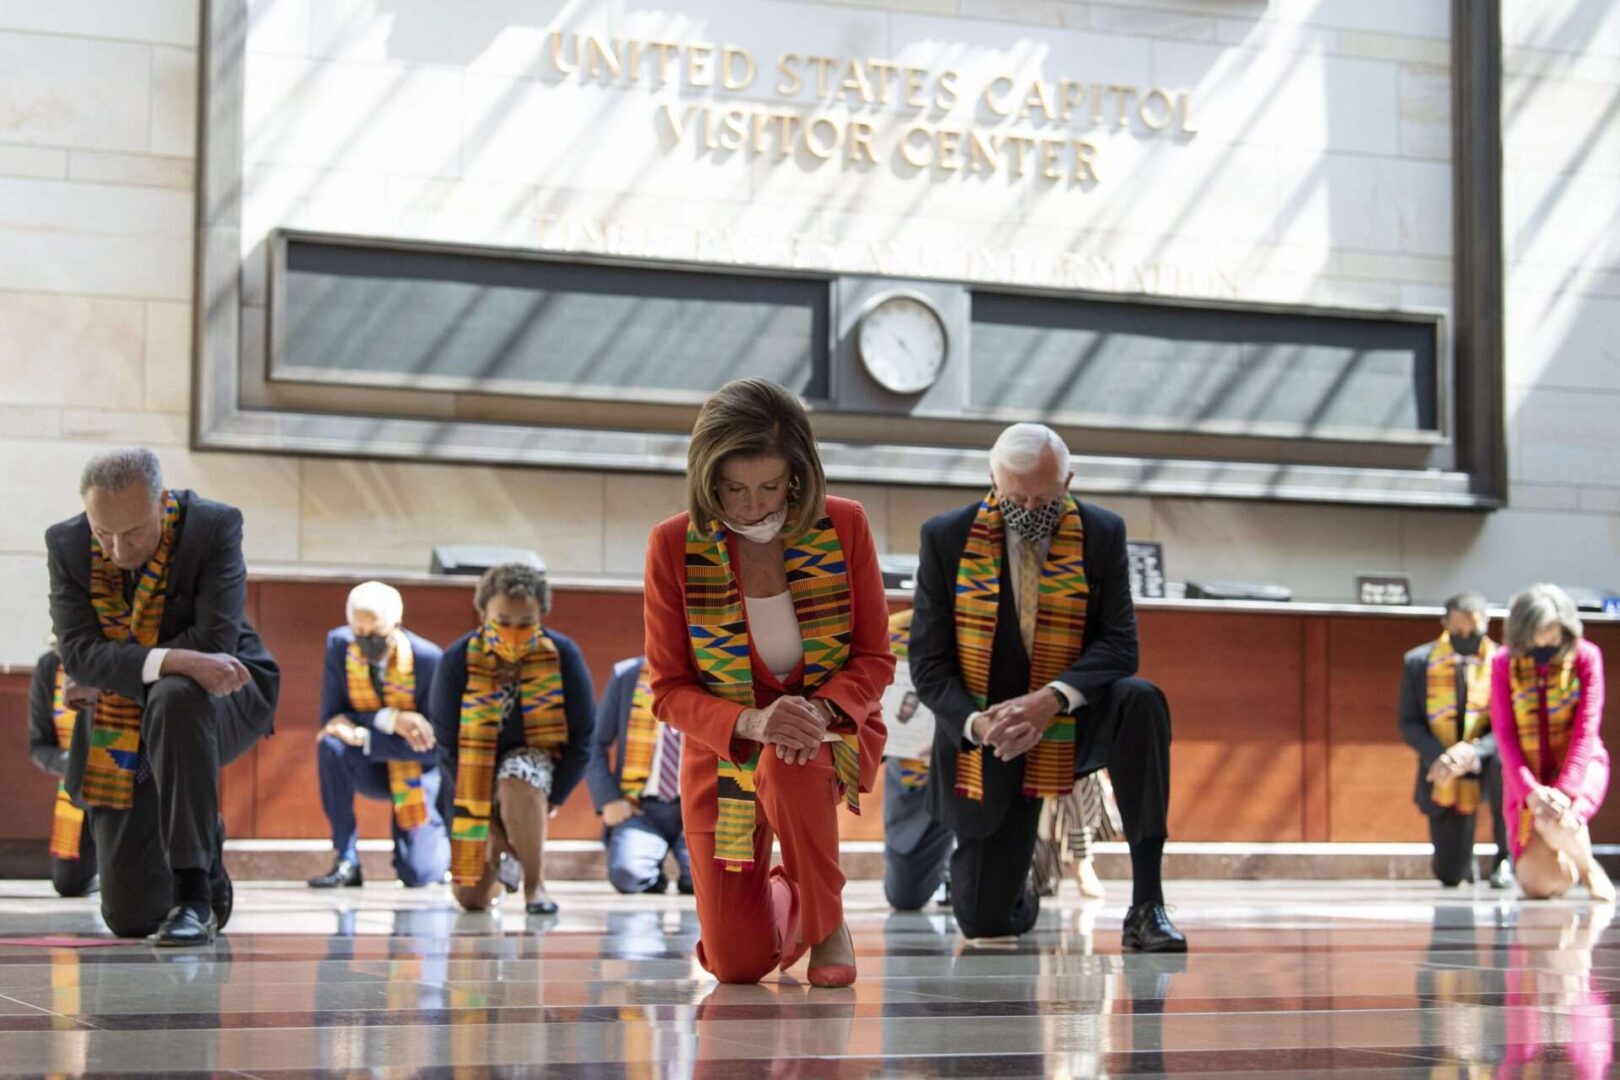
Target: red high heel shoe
833, 976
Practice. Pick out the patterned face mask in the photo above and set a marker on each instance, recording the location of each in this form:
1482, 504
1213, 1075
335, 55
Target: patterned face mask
511, 643
1034, 525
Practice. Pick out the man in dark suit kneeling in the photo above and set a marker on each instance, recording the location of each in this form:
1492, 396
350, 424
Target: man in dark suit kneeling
1023, 643
148, 590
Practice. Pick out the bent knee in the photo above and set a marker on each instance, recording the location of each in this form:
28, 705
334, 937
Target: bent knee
471, 897
1136, 688
629, 882
172, 692
130, 925
330, 746
741, 969
907, 897
1544, 883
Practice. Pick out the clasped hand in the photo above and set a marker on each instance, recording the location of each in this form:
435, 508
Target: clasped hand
1459, 759
1013, 727
792, 726
1553, 806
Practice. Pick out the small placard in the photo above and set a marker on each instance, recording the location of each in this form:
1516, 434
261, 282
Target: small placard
910, 722
1146, 560
1384, 590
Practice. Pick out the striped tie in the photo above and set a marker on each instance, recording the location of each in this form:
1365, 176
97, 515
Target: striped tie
669, 764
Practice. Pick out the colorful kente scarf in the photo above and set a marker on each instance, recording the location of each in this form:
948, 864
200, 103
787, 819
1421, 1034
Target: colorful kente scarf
115, 736
1461, 793
399, 692
67, 821
1563, 695
913, 771
1060, 630
819, 583
640, 738
545, 727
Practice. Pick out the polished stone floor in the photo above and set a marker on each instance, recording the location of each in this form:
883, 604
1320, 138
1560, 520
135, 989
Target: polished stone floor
1285, 978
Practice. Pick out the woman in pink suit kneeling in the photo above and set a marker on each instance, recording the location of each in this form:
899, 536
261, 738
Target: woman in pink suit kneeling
1546, 709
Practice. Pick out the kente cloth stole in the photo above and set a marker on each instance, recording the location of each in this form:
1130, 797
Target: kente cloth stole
1563, 690
1462, 793
1060, 631
545, 727
640, 738
67, 820
818, 581
913, 771
399, 692
115, 735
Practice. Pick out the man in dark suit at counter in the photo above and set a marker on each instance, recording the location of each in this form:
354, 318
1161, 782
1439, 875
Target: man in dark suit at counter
1445, 715
1024, 645
148, 588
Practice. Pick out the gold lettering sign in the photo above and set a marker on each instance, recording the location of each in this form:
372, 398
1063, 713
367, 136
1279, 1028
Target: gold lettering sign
1039, 131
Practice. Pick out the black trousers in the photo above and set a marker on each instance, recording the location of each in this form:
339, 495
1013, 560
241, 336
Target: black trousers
1128, 731
1452, 834
75, 877
173, 821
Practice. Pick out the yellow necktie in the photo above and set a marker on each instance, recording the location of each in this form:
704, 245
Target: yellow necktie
1029, 593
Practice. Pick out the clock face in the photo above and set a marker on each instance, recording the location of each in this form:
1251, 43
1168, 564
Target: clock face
902, 343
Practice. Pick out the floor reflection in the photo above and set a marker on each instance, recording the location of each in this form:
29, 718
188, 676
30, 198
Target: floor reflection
1285, 979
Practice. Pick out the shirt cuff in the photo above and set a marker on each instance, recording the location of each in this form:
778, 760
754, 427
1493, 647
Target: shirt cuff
967, 728
1073, 698
383, 720
152, 670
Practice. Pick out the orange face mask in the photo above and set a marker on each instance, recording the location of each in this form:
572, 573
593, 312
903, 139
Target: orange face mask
511, 643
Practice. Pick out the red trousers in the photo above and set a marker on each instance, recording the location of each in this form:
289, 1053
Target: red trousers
755, 920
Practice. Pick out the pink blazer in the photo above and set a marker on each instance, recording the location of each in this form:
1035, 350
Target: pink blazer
1584, 774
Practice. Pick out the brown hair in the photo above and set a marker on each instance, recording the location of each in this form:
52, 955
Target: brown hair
754, 418
520, 581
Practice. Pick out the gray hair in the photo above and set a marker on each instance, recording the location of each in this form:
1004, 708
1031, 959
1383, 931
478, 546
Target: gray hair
376, 598
1466, 603
116, 470
1019, 449
520, 581
1537, 608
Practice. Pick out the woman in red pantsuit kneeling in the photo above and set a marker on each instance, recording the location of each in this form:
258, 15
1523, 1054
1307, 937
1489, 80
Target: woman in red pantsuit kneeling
768, 640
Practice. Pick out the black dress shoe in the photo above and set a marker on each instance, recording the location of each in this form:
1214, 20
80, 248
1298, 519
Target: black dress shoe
343, 875
541, 907
187, 924
1148, 929
221, 894
221, 897
684, 886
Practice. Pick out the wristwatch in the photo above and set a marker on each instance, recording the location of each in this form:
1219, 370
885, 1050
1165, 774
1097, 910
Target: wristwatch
1063, 702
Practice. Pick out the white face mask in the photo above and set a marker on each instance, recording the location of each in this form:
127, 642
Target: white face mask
762, 532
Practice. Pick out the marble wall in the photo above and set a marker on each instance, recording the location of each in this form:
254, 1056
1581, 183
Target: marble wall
1320, 175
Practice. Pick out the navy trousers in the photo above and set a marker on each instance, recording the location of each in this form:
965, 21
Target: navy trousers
636, 849
422, 854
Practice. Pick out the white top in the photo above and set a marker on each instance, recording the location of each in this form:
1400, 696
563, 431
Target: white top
773, 631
